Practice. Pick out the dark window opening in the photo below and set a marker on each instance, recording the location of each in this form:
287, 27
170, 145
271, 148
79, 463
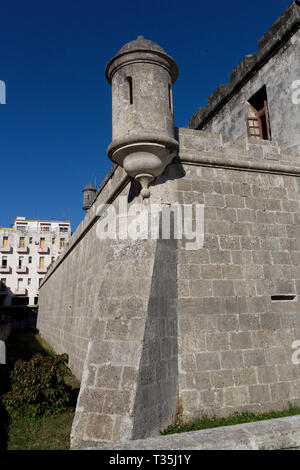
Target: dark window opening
20, 300
258, 124
282, 297
130, 89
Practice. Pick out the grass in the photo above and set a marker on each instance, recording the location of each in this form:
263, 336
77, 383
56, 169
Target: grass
44, 433
47, 433
236, 418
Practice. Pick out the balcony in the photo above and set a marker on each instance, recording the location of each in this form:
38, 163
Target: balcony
4, 269
5, 249
20, 291
21, 270
41, 270
43, 250
22, 249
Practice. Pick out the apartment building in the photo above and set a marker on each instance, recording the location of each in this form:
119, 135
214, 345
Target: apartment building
27, 249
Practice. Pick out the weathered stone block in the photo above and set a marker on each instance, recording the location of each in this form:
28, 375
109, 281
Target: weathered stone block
259, 394
232, 360
99, 427
109, 377
241, 340
235, 396
222, 378
207, 361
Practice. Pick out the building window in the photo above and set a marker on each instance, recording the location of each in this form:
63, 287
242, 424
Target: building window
36, 300
4, 261
3, 283
29, 281
42, 243
42, 262
61, 243
5, 242
52, 259
22, 242
20, 283
22, 227
21, 261
63, 229
30, 240
258, 122
53, 241
29, 259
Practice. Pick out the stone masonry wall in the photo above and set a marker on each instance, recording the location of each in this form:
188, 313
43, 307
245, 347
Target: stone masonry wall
70, 302
158, 331
235, 343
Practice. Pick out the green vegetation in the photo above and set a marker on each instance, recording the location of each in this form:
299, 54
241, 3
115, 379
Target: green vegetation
38, 396
237, 418
46, 433
38, 387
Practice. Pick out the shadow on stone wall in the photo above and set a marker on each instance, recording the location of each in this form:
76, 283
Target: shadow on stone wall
157, 389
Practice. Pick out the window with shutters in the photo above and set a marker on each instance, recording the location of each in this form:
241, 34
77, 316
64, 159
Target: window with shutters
254, 127
258, 121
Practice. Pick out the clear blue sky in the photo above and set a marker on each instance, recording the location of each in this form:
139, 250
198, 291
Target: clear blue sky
56, 125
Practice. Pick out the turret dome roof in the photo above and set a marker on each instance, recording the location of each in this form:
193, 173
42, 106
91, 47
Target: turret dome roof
140, 43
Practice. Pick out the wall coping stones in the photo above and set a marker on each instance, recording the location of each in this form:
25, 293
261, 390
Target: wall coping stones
279, 33
273, 434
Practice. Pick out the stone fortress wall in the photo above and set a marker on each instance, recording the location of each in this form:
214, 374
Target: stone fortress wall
157, 332
149, 322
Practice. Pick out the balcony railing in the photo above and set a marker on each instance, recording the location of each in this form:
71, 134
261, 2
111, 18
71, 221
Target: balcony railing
44, 249
36, 230
22, 249
5, 249
21, 269
5, 269
41, 270
20, 291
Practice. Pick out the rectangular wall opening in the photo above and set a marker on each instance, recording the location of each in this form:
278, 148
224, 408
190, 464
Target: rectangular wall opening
258, 123
282, 298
